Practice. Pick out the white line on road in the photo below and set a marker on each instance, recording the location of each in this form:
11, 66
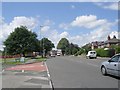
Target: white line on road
3, 70
50, 82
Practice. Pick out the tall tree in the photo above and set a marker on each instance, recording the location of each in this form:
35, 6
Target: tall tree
46, 45
86, 48
21, 41
63, 45
73, 48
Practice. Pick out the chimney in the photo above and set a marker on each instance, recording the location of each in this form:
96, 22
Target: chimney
108, 37
114, 36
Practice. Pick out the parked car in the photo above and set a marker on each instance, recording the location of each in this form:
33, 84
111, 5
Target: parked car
91, 54
111, 66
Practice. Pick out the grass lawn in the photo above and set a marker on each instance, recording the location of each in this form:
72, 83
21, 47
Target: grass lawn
39, 59
11, 61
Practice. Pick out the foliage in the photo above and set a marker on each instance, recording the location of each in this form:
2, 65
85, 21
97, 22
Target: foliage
73, 48
102, 53
67, 48
81, 51
86, 48
21, 41
63, 45
116, 47
46, 45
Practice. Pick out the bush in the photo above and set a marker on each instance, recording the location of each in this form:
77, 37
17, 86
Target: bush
76, 54
102, 53
117, 49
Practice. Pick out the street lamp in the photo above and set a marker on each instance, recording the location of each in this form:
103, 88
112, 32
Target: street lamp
43, 52
4, 47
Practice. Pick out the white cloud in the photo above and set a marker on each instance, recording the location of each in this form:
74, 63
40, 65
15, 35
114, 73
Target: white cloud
48, 22
116, 33
30, 22
73, 6
64, 26
99, 29
97, 34
55, 37
1, 20
111, 5
45, 29
64, 35
7, 28
88, 21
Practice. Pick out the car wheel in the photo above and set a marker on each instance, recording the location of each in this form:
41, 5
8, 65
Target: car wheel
103, 70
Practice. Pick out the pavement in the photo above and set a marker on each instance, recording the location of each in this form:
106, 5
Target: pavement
32, 75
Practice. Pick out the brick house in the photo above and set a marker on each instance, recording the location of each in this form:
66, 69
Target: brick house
105, 44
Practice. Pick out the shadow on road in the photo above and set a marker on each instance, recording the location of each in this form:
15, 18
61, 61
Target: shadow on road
114, 77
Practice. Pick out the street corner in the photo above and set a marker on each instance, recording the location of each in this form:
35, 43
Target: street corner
35, 75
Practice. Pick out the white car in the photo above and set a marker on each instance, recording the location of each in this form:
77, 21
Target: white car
58, 54
91, 54
111, 66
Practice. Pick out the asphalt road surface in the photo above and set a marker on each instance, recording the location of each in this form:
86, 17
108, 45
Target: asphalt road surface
79, 72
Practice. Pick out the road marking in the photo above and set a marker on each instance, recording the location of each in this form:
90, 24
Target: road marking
23, 70
3, 70
50, 82
92, 64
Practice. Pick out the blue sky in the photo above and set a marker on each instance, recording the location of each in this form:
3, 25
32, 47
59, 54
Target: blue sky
60, 19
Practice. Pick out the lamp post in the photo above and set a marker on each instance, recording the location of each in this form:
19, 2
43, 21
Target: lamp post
4, 47
43, 52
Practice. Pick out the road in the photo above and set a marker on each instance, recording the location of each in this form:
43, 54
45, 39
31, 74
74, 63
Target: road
78, 72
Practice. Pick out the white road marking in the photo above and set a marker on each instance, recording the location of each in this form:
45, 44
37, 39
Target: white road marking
48, 75
23, 71
3, 70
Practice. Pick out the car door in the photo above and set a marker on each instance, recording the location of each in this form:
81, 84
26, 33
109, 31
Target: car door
113, 65
119, 67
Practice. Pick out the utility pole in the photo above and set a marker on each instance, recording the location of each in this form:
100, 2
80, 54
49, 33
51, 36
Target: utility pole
43, 52
4, 54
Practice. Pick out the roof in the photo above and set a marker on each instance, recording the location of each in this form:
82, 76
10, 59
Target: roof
113, 41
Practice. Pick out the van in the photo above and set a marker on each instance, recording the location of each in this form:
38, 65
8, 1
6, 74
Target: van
91, 54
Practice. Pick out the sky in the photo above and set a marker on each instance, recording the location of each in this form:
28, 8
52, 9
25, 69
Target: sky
79, 22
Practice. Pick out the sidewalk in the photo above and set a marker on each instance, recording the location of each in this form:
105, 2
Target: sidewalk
32, 75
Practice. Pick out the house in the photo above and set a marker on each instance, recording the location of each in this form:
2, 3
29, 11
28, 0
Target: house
113, 41
97, 44
105, 44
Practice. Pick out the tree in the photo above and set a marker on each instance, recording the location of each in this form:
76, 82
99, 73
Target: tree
63, 45
21, 41
46, 45
73, 48
86, 48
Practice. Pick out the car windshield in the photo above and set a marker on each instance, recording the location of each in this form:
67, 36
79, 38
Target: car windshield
115, 58
92, 52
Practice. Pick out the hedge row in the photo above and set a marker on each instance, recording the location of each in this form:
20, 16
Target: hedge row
105, 53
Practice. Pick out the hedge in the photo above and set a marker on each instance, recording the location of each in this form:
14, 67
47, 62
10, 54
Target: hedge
102, 53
